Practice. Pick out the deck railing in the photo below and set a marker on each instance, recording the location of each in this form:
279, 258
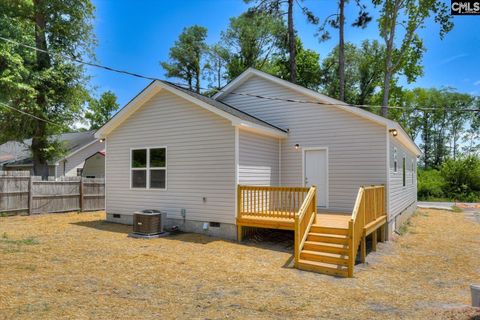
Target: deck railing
369, 206
304, 219
269, 202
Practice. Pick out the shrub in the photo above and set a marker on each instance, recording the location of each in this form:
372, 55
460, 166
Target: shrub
462, 178
430, 184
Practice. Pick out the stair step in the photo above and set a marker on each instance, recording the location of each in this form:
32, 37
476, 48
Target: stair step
321, 267
330, 230
326, 247
333, 258
325, 237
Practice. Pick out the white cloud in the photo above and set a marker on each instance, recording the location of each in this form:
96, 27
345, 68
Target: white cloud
453, 58
476, 83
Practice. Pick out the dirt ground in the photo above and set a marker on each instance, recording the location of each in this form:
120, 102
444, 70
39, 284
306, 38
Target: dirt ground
76, 266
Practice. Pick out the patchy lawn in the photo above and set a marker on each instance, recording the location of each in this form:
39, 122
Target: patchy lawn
78, 266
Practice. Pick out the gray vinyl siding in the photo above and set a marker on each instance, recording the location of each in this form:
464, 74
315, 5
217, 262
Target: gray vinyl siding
258, 159
356, 146
401, 197
200, 161
78, 159
94, 166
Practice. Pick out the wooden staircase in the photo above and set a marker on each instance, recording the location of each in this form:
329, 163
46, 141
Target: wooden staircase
326, 250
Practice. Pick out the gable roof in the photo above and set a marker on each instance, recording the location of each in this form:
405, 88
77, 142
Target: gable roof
236, 116
14, 153
390, 124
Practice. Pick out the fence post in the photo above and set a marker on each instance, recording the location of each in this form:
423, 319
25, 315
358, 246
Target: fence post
30, 195
81, 194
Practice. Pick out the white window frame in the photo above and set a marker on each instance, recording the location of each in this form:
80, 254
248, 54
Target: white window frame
148, 168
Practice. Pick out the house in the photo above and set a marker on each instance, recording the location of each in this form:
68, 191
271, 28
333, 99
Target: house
78, 146
94, 166
183, 153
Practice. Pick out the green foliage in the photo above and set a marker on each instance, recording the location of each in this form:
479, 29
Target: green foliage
430, 184
363, 72
47, 85
100, 110
455, 180
215, 68
462, 178
404, 50
186, 56
308, 67
252, 39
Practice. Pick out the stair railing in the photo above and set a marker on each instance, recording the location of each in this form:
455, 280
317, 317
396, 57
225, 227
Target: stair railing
369, 206
304, 218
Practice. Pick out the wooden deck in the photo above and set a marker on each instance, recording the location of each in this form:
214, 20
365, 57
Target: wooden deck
273, 221
325, 242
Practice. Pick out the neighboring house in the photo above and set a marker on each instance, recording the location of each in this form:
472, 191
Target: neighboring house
78, 146
94, 166
183, 153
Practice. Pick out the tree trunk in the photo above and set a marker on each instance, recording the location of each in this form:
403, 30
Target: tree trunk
40, 139
292, 45
197, 74
341, 52
389, 38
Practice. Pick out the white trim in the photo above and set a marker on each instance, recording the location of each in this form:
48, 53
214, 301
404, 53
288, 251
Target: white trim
157, 86
247, 74
387, 191
78, 150
327, 164
105, 177
148, 168
255, 128
237, 166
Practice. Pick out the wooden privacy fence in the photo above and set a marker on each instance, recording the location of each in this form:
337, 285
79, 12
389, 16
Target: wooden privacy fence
22, 193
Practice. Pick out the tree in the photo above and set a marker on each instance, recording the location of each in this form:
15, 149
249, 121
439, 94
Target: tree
216, 66
252, 39
275, 9
363, 72
186, 56
411, 15
100, 110
45, 84
308, 67
337, 21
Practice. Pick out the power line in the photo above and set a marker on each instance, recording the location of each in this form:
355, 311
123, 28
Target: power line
30, 115
232, 92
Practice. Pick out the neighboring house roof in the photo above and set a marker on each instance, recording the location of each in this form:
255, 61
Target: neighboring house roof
101, 153
390, 124
237, 117
15, 153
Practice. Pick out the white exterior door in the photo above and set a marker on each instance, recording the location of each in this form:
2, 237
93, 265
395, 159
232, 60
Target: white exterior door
316, 173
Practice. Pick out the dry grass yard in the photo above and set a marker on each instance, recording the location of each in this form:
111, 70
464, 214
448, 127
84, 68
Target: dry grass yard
76, 266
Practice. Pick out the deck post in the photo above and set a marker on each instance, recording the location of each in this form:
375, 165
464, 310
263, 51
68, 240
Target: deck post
382, 233
363, 251
297, 242
239, 233
351, 258
374, 240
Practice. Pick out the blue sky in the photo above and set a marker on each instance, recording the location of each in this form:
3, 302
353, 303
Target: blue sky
136, 35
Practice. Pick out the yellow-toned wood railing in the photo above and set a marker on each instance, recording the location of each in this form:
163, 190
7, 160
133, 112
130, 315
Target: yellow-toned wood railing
304, 219
269, 202
369, 206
